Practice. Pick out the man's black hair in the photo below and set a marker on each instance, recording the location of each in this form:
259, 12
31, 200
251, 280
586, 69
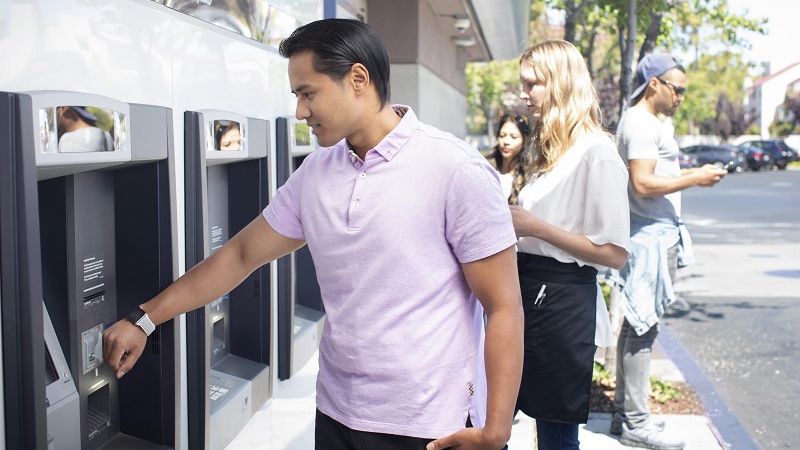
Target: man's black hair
337, 45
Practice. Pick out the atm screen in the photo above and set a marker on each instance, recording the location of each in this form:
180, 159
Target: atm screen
302, 135
51, 374
227, 135
81, 129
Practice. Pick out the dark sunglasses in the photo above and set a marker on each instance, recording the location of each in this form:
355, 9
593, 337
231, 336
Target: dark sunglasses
677, 90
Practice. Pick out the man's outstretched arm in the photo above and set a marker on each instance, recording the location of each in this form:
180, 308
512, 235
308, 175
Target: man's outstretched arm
251, 248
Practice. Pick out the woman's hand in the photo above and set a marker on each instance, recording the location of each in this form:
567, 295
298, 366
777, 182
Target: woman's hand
525, 223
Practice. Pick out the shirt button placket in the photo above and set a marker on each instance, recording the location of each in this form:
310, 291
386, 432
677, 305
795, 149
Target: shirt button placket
352, 221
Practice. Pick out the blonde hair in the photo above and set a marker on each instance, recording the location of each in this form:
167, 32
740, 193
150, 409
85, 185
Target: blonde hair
569, 107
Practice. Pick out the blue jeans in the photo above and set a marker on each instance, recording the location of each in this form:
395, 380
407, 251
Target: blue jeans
557, 436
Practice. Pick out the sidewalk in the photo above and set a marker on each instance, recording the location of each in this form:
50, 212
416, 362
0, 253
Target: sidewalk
696, 431
287, 421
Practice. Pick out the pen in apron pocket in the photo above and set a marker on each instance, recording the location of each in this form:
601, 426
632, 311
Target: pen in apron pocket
540, 297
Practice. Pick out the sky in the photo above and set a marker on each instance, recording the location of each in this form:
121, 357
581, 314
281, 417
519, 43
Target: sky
779, 46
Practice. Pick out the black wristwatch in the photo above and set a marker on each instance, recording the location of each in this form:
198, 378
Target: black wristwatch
140, 318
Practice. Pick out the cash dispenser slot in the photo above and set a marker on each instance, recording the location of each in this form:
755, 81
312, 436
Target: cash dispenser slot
94, 299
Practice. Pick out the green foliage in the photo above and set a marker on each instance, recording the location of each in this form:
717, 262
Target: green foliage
684, 25
601, 376
105, 120
606, 288
782, 128
660, 391
488, 84
663, 391
711, 77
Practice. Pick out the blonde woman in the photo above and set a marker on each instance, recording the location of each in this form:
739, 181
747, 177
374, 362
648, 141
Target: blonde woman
571, 218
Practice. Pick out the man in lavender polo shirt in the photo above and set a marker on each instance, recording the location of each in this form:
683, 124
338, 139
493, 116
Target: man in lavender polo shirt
406, 225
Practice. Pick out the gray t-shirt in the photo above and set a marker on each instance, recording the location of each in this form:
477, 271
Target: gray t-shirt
641, 135
89, 139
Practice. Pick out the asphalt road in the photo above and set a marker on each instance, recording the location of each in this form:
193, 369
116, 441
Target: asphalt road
743, 327
752, 207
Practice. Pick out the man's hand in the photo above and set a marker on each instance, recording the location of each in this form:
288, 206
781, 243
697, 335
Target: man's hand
708, 175
467, 439
123, 344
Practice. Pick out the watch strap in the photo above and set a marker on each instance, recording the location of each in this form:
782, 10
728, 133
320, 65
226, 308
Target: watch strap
140, 318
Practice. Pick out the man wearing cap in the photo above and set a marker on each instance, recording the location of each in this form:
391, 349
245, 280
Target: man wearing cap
79, 132
659, 241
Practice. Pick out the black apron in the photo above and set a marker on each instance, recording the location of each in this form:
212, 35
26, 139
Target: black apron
559, 338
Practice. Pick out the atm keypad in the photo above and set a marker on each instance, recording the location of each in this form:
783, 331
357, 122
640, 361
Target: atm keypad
219, 387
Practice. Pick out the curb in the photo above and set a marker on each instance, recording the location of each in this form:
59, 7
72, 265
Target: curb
724, 424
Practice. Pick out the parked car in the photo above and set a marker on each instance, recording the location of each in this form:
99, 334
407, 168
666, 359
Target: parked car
687, 161
757, 158
727, 157
780, 153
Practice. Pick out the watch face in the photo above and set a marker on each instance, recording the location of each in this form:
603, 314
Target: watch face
135, 315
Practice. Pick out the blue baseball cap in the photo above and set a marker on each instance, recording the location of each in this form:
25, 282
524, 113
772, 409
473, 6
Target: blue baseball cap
85, 114
652, 65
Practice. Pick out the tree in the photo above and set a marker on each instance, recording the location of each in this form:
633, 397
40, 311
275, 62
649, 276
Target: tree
713, 96
670, 23
494, 86
486, 85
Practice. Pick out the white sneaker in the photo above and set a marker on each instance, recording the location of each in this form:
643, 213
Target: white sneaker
650, 436
616, 424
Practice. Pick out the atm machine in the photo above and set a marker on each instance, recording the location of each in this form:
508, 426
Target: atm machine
301, 314
227, 186
86, 238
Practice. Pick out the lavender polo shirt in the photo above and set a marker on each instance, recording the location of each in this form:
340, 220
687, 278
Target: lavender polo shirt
402, 347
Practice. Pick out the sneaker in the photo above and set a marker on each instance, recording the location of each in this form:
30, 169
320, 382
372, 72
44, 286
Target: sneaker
650, 436
616, 424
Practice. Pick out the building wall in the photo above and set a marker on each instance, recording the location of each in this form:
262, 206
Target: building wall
433, 100
427, 71
768, 95
436, 49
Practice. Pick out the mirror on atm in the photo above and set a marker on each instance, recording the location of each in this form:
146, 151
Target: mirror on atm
228, 135
81, 129
302, 135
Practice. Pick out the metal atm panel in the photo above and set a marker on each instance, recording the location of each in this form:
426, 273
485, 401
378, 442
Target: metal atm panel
229, 352
301, 314
98, 242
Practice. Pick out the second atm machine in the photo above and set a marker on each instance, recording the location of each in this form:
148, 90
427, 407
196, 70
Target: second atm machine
227, 186
301, 314
86, 237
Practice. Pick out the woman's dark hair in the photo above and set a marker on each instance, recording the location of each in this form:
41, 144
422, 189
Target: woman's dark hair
496, 158
337, 45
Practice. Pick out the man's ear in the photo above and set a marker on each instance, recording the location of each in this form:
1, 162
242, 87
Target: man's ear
359, 77
653, 83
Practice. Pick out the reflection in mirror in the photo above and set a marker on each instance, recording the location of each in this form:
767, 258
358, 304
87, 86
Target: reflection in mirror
227, 135
279, 26
302, 135
227, 14
78, 129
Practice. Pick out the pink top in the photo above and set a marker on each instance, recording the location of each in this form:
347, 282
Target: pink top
402, 346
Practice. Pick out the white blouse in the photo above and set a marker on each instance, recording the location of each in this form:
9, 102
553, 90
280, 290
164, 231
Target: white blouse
506, 182
585, 193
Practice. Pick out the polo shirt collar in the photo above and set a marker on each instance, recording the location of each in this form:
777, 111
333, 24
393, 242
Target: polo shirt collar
393, 142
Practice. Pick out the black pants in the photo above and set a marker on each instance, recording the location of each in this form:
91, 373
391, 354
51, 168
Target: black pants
332, 435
